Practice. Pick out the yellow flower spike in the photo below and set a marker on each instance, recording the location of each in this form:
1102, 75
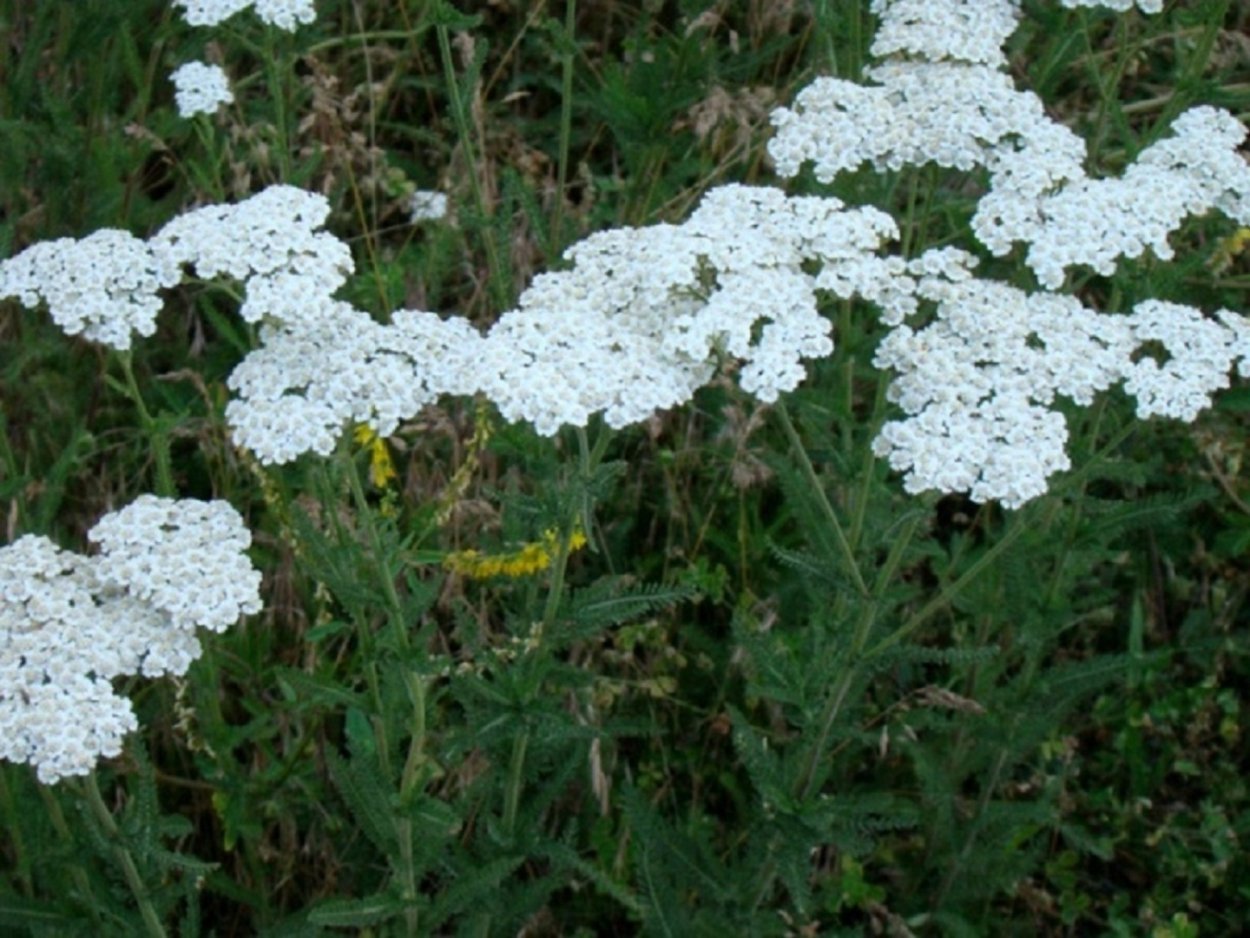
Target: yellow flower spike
483, 429
532, 557
381, 468
1236, 243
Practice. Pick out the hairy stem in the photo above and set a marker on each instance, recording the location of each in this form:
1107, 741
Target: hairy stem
151, 921
818, 489
460, 114
85, 893
566, 122
158, 436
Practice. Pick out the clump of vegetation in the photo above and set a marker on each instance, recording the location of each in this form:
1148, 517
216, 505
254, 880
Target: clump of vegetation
764, 468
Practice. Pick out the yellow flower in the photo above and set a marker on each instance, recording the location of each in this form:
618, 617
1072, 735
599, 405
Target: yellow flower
381, 468
483, 429
1229, 248
531, 558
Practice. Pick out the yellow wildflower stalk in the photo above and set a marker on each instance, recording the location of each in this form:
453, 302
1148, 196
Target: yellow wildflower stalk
531, 558
1236, 243
381, 468
483, 429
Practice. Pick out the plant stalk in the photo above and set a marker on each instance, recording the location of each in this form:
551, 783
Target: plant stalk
138, 889
158, 438
459, 114
818, 490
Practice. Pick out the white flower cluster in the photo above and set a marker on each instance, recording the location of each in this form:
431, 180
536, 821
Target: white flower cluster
935, 30
200, 88
1097, 221
1198, 354
978, 380
954, 110
1120, 6
639, 322
272, 243
106, 285
954, 114
70, 623
103, 286
644, 315
297, 390
285, 14
426, 205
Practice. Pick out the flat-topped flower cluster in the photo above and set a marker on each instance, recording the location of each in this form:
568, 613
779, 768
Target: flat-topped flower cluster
200, 88
643, 317
978, 381
70, 623
640, 319
285, 14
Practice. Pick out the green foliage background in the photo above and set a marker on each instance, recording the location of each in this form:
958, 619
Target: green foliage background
776, 695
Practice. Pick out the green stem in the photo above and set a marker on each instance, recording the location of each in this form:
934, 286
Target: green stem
866, 474
381, 563
364, 632
410, 777
566, 125
824, 16
275, 76
855, 657
158, 437
1074, 521
409, 781
417, 686
124, 860
940, 601
587, 462
974, 829
9, 469
20, 853
79, 875
823, 500
516, 771
460, 115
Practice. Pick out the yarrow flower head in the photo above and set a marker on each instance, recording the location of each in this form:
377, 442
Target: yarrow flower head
424, 205
645, 316
70, 623
971, 31
1120, 6
272, 243
306, 381
977, 380
1069, 219
285, 14
104, 286
200, 88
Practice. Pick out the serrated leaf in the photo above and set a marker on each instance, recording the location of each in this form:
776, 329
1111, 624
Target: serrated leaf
368, 797
38, 917
354, 913
463, 894
602, 605
442, 13
321, 690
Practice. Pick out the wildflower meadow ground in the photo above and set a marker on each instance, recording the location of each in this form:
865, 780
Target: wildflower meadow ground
612, 468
